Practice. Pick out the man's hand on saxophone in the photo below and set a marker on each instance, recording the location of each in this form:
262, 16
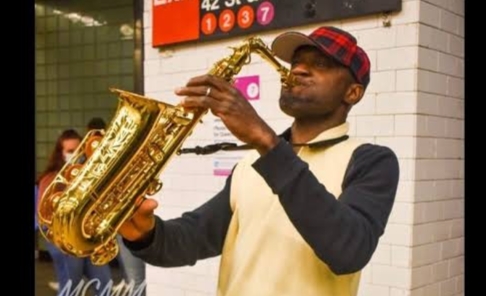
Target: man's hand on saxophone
140, 225
227, 103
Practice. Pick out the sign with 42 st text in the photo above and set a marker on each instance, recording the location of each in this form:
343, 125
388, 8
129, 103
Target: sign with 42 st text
183, 21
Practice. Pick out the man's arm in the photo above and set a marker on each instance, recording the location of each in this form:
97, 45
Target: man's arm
196, 235
343, 232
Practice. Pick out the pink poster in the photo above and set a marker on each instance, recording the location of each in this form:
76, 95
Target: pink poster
249, 86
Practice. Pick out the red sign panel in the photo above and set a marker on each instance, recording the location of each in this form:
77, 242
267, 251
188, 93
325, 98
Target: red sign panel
181, 21
175, 21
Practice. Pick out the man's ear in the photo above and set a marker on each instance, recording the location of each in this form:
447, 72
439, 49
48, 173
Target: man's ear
354, 94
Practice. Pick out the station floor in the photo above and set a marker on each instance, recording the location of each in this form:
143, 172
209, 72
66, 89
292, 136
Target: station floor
44, 273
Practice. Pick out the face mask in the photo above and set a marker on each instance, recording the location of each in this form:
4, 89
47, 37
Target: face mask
68, 156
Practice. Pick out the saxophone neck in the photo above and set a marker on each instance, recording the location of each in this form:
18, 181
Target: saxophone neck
258, 46
228, 67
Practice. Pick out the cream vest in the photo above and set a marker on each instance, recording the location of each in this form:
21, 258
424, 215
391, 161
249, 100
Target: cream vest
264, 255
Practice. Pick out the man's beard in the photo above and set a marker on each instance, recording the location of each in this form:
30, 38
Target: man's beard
294, 106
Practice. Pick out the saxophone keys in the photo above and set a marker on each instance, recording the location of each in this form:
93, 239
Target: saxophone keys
91, 144
154, 187
182, 118
72, 171
105, 254
48, 205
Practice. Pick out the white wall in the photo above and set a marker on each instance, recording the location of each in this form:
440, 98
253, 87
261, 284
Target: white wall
437, 245
414, 104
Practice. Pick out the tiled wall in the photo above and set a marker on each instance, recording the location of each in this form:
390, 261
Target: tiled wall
80, 53
414, 105
437, 246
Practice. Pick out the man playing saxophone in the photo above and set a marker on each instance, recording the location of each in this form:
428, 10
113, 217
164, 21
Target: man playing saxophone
303, 212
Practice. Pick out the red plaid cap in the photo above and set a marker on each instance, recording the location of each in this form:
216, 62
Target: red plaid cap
336, 43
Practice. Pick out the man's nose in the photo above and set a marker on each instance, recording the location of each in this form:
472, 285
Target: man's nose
300, 70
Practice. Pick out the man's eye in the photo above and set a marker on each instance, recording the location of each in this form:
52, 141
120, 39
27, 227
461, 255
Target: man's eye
321, 64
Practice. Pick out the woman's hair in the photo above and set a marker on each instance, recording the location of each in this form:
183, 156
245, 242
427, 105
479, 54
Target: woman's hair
56, 159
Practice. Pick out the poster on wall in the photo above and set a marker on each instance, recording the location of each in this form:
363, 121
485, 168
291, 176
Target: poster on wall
224, 161
182, 21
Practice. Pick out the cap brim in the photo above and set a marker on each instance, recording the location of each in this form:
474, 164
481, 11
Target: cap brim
284, 45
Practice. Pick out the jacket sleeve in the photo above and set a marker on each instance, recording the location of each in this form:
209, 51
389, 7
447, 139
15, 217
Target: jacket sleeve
342, 230
196, 235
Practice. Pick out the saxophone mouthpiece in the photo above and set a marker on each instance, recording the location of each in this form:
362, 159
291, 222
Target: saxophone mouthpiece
290, 81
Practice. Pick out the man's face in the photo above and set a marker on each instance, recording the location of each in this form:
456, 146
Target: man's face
322, 85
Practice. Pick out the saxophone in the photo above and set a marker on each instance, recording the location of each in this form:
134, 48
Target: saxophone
113, 170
